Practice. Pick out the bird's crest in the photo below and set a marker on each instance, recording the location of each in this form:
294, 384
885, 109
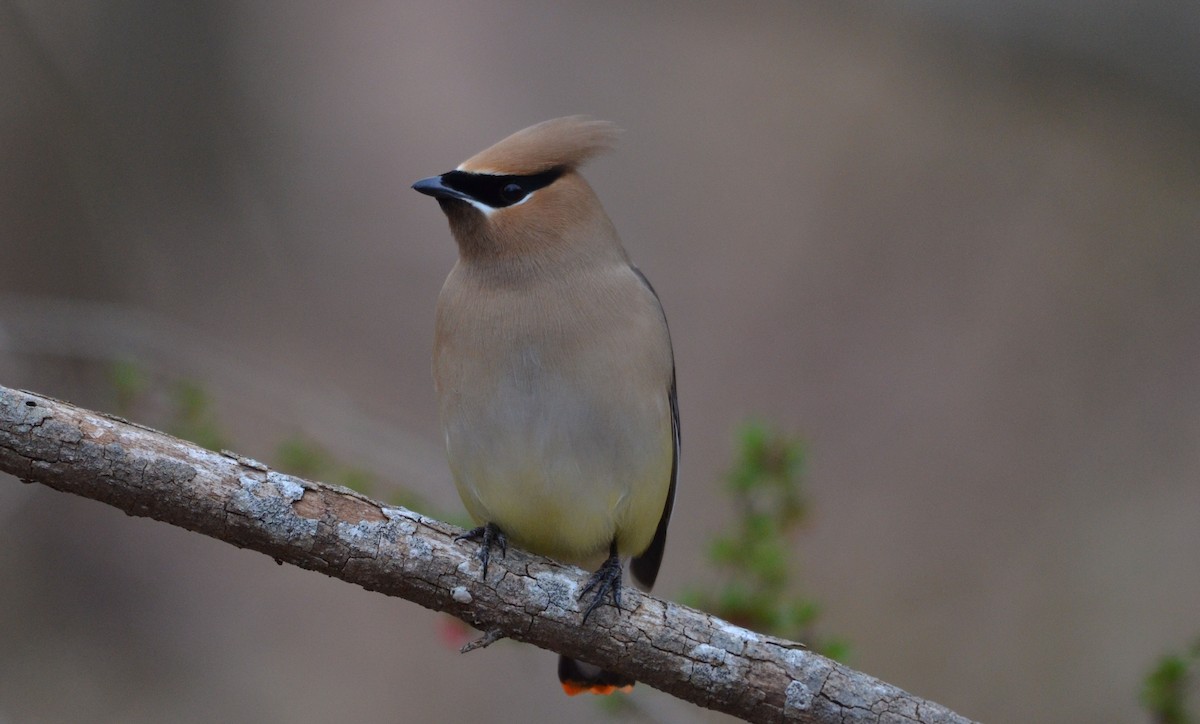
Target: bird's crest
564, 143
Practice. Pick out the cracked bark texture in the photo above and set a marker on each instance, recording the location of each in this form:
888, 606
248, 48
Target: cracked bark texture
684, 652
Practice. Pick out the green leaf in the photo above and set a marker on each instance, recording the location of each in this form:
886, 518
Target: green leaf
298, 455
194, 419
1164, 691
765, 485
128, 383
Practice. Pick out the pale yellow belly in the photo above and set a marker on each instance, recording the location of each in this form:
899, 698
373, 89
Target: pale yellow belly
560, 474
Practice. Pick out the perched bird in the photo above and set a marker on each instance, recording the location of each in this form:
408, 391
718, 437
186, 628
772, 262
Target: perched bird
553, 368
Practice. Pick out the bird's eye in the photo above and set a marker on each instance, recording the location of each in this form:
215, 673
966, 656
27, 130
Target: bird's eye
512, 193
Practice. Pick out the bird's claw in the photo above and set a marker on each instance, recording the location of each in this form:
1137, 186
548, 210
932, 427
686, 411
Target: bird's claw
607, 583
489, 535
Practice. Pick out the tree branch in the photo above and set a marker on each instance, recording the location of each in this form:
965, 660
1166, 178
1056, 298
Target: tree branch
684, 652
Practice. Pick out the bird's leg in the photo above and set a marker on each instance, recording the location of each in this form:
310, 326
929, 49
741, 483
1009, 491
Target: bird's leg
489, 535
607, 582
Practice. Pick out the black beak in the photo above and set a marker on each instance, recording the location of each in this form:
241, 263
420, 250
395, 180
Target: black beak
434, 187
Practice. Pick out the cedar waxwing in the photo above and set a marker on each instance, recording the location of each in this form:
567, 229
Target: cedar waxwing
553, 368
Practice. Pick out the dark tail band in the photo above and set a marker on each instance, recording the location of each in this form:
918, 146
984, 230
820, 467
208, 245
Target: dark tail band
580, 678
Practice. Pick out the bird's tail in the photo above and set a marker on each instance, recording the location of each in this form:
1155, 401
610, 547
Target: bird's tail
580, 678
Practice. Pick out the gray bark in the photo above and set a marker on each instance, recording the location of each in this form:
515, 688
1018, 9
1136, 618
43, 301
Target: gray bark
684, 652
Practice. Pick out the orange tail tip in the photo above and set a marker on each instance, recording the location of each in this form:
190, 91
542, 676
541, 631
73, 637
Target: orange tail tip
580, 678
575, 688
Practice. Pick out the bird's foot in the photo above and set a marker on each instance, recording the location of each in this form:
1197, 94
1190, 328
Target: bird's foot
607, 583
489, 535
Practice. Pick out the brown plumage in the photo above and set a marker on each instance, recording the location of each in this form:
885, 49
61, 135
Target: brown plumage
553, 367
556, 223
567, 142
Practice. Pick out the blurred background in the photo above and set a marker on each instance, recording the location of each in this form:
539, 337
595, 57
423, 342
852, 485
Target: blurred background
953, 246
